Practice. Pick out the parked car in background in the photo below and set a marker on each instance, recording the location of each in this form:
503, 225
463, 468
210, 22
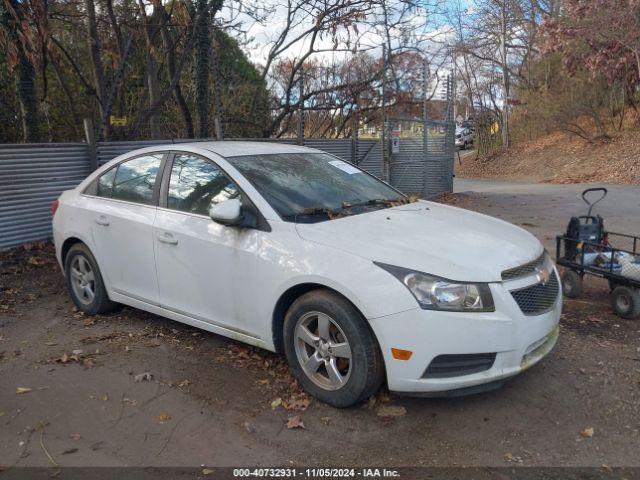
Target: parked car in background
294, 250
464, 137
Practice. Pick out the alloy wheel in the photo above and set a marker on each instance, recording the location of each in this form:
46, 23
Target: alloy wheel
323, 350
83, 279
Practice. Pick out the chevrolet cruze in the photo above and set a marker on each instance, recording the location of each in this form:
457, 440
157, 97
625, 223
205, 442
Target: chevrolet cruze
294, 250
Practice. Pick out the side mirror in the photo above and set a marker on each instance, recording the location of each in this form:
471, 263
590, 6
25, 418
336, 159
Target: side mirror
227, 212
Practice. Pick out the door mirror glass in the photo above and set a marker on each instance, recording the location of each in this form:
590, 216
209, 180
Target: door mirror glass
227, 212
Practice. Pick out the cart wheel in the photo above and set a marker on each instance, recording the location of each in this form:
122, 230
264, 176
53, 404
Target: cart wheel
626, 302
571, 284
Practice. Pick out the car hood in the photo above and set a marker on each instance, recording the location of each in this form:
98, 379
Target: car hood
445, 241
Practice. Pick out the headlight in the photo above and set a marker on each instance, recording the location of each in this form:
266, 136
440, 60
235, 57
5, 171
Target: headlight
434, 293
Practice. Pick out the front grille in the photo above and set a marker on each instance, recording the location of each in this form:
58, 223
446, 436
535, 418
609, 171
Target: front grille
523, 270
444, 366
537, 299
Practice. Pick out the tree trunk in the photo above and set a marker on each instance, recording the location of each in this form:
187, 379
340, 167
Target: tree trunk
171, 70
203, 46
154, 93
25, 75
97, 67
28, 97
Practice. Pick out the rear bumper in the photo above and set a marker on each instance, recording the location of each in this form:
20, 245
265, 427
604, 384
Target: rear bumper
518, 341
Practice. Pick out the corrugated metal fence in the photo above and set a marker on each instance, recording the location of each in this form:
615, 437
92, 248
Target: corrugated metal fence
33, 175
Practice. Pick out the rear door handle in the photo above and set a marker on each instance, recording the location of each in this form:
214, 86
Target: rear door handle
102, 220
167, 238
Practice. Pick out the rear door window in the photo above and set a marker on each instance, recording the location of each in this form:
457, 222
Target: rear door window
135, 179
105, 183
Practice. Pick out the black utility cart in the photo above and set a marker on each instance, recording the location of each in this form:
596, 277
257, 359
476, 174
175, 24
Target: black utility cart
587, 248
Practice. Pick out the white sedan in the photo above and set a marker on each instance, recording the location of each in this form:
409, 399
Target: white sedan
296, 251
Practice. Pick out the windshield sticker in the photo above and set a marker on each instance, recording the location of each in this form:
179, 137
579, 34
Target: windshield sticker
345, 167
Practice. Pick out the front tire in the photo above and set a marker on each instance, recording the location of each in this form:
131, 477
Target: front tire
331, 350
85, 283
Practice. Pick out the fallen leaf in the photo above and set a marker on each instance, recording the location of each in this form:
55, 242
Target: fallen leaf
20, 390
105, 397
295, 422
298, 404
207, 471
35, 261
141, 377
391, 411
587, 432
76, 352
250, 428
164, 417
276, 403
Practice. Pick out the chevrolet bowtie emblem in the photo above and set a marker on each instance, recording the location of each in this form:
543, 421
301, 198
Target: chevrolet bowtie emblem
543, 275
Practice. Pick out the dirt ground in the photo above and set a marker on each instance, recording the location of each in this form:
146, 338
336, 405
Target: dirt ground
138, 390
560, 158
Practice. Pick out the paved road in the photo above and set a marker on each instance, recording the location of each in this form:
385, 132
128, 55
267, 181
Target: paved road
544, 207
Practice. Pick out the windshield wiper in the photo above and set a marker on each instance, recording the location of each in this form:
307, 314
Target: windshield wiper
387, 202
346, 207
313, 212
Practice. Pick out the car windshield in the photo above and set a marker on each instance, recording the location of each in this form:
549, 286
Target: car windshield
313, 187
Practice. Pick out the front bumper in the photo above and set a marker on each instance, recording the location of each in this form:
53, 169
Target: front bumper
519, 341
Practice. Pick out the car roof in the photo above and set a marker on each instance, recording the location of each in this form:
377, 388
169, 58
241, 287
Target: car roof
228, 148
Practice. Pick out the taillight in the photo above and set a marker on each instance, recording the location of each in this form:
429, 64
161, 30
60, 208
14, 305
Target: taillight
54, 207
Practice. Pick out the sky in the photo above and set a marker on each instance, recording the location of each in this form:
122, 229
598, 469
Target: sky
261, 35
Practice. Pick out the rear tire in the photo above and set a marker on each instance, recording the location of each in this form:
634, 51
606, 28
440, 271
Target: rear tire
571, 284
331, 350
626, 302
85, 283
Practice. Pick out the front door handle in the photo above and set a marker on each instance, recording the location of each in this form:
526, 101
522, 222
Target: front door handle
102, 220
167, 238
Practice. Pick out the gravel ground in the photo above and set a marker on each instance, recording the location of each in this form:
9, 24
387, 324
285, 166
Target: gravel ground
73, 393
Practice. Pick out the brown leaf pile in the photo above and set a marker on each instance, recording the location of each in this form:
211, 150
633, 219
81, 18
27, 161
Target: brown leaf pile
275, 378
561, 158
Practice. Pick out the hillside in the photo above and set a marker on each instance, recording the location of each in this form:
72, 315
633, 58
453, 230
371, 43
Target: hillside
560, 158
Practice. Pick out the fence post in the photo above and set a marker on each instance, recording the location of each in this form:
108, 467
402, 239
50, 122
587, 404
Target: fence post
386, 167
215, 65
301, 108
354, 133
425, 127
90, 136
